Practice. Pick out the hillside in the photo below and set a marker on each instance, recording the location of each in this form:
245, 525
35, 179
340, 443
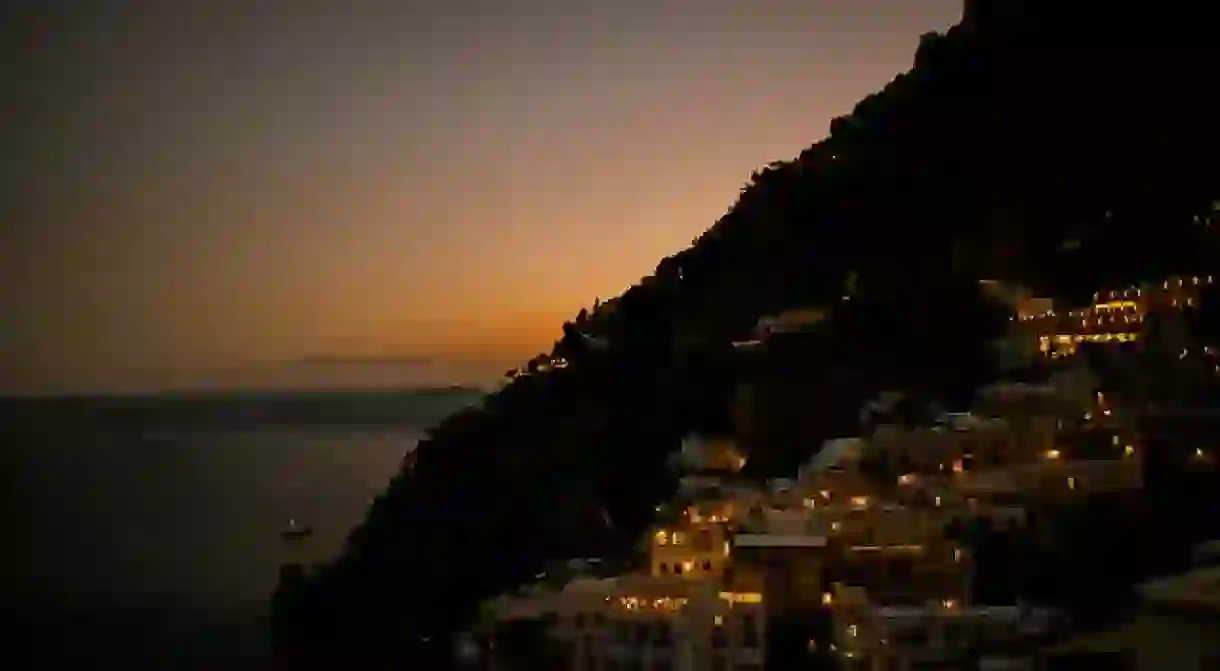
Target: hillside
1028, 129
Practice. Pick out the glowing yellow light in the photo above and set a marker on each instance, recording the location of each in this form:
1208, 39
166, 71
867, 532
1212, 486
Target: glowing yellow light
1052, 454
1129, 450
906, 478
741, 597
827, 598
949, 603
1071, 483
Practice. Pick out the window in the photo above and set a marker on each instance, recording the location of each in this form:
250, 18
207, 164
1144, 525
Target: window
749, 631
707, 565
665, 635
641, 634
913, 637
664, 567
677, 569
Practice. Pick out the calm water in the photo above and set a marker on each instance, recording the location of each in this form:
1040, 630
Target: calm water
165, 523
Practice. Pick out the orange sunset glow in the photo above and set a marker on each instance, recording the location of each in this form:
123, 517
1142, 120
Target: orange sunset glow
201, 186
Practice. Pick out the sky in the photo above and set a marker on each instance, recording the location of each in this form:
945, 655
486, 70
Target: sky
195, 191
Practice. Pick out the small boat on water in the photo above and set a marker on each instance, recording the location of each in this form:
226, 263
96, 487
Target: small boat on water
296, 531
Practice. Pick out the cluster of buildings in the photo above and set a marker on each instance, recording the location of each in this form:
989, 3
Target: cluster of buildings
1114, 316
863, 555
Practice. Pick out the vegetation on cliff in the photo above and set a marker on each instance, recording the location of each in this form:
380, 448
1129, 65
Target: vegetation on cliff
1031, 142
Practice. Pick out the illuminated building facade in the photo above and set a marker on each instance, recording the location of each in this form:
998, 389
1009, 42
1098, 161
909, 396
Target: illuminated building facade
640, 621
696, 551
1115, 316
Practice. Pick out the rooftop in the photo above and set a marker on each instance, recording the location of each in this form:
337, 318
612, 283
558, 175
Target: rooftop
1196, 590
778, 541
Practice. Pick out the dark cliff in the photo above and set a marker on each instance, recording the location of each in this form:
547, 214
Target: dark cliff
1028, 129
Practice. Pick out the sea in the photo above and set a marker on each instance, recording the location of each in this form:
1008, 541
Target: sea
145, 531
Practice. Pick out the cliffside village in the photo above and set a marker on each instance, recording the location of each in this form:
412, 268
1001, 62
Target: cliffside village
867, 538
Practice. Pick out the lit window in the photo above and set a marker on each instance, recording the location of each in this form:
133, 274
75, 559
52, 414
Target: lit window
906, 478
1071, 483
852, 630
859, 501
957, 554
662, 538
827, 598
938, 501
1128, 450
741, 597
834, 526
949, 603
825, 494
718, 620
1052, 454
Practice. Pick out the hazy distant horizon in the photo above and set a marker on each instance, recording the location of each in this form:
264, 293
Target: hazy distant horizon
323, 373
